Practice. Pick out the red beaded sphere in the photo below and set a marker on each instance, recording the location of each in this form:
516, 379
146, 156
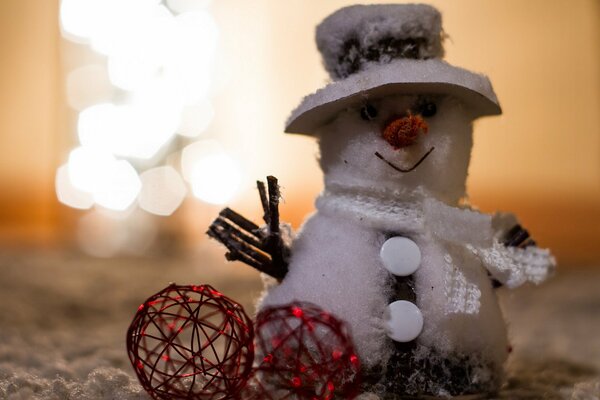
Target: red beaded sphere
304, 353
191, 342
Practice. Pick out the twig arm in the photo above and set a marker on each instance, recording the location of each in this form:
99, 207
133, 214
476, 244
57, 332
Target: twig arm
245, 241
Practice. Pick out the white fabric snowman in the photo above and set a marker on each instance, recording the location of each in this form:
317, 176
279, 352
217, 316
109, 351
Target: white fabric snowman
392, 249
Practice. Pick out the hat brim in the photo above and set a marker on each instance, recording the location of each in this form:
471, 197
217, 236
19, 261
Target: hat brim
432, 76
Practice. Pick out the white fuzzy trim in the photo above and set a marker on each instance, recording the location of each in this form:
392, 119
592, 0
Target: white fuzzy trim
370, 23
514, 266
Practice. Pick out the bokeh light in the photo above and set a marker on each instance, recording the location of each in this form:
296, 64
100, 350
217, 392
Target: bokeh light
191, 55
119, 187
139, 53
154, 114
79, 17
196, 118
156, 84
118, 21
181, 6
138, 129
68, 194
162, 191
103, 127
102, 233
88, 167
195, 151
88, 85
216, 178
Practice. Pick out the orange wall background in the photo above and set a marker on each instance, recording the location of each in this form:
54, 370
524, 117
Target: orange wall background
29, 113
541, 159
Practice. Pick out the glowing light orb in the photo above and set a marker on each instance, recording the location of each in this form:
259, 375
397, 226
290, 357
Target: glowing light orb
181, 6
68, 194
196, 118
88, 85
191, 56
138, 129
195, 151
155, 115
77, 17
88, 167
118, 21
119, 188
105, 233
102, 126
139, 53
216, 178
162, 191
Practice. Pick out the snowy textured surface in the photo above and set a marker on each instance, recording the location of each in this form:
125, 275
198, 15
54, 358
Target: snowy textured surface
63, 319
387, 75
397, 77
368, 24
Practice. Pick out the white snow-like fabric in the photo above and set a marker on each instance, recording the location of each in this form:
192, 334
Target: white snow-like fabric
514, 266
432, 76
369, 24
348, 146
465, 227
333, 265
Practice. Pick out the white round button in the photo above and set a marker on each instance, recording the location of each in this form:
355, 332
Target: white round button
404, 321
401, 256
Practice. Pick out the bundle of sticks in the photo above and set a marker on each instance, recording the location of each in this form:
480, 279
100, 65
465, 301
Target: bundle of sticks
261, 248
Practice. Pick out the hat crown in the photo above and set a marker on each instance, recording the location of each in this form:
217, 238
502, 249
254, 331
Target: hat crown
353, 38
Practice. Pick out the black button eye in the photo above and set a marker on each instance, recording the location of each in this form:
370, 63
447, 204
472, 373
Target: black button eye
368, 112
428, 109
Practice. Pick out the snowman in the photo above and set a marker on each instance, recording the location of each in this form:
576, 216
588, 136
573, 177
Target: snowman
393, 249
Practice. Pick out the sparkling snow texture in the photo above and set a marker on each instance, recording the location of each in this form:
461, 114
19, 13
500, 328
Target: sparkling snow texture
412, 21
63, 319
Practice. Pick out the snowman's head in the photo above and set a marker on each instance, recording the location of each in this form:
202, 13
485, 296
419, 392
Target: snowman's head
386, 145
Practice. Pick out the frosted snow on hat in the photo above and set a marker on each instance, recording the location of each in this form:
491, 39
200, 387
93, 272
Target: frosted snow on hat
378, 50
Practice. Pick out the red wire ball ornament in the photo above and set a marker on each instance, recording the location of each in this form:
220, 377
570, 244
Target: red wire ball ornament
191, 342
304, 353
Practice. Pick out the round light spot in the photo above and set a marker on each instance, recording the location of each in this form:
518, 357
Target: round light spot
88, 85
77, 17
196, 118
88, 167
102, 127
404, 321
216, 178
181, 6
162, 192
120, 188
401, 256
194, 152
68, 194
105, 233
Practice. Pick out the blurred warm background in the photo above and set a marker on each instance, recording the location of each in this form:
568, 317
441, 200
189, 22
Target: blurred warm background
126, 125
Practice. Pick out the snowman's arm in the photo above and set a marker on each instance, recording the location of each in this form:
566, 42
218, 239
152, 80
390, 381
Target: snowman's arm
262, 248
514, 258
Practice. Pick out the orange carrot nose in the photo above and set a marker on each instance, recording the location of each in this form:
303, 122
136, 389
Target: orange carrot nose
403, 131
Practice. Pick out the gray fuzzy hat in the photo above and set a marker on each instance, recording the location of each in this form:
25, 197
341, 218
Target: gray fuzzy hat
373, 51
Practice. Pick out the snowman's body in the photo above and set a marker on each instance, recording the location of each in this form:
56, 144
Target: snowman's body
395, 137
336, 261
461, 315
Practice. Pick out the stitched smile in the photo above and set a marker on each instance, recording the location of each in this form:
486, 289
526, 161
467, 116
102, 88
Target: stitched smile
401, 169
